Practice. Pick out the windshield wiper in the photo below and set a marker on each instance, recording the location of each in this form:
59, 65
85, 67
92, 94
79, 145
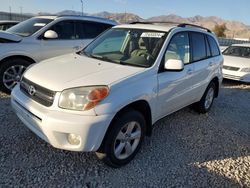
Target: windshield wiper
132, 64
103, 58
82, 52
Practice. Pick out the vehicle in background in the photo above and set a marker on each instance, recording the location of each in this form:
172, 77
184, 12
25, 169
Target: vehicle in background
107, 97
41, 38
6, 24
237, 62
222, 48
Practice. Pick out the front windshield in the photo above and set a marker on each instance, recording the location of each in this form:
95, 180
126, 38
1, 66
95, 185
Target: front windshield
238, 51
29, 27
135, 47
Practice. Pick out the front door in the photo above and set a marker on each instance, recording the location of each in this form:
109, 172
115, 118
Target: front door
175, 87
67, 41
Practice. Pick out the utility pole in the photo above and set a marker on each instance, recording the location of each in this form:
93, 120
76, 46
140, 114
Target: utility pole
82, 6
21, 10
125, 16
10, 12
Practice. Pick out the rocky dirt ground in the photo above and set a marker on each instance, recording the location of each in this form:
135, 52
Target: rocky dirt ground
186, 150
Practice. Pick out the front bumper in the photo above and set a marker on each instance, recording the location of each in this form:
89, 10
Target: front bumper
236, 75
54, 126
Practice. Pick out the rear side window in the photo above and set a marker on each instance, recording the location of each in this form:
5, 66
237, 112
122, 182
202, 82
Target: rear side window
198, 46
209, 54
90, 30
213, 45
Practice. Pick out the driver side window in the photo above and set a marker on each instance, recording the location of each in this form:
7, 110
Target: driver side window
179, 48
65, 30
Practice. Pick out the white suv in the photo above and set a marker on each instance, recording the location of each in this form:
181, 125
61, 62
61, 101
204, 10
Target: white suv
107, 97
41, 38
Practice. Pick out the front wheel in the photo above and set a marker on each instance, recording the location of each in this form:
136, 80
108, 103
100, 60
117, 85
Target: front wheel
124, 139
11, 72
205, 104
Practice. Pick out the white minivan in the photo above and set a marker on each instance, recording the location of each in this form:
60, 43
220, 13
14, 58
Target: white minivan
107, 97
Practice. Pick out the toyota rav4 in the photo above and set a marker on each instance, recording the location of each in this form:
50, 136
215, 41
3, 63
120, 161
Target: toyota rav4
107, 97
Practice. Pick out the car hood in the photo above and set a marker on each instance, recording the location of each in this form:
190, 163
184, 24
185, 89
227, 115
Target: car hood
6, 37
73, 70
240, 62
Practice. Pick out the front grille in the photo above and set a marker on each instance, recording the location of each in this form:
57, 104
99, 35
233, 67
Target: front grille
37, 93
231, 68
232, 77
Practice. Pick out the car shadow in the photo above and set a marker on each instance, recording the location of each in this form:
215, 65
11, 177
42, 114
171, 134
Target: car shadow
186, 149
234, 83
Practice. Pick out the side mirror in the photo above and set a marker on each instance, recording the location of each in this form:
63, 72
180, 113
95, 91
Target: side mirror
50, 34
174, 65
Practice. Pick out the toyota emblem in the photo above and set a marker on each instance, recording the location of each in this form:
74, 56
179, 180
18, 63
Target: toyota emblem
32, 90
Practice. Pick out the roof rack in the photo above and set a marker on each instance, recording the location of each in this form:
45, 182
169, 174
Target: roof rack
174, 23
193, 25
154, 22
86, 16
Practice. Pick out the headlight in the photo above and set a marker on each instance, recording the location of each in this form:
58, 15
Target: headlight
245, 70
82, 98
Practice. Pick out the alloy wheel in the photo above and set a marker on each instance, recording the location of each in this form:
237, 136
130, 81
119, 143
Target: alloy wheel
209, 98
127, 140
13, 75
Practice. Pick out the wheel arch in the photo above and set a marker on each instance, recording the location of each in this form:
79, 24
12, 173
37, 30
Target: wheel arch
215, 80
141, 106
29, 59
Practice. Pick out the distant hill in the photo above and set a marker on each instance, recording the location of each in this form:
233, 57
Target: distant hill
71, 12
119, 17
234, 28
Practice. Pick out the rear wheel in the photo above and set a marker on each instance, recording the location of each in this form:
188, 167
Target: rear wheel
11, 72
206, 102
123, 140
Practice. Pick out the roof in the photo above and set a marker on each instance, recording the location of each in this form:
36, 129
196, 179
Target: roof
153, 27
164, 26
76, 17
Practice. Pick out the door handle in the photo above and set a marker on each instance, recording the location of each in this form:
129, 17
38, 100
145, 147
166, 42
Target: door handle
211, 64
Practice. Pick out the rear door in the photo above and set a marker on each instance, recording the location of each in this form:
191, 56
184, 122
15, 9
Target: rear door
86, 31
204, 61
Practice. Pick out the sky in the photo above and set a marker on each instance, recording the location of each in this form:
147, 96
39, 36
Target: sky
239, 10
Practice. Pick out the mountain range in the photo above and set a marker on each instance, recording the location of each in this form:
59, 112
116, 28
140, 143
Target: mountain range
235, 29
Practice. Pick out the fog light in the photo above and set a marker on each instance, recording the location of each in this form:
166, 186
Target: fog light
74, 139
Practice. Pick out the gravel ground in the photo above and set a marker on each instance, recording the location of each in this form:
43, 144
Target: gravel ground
186, 150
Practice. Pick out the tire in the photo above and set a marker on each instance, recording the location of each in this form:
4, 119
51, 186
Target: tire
206, 102
119, 147
11, 72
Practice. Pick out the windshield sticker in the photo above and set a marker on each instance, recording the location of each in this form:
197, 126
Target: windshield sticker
152, 35
39, 24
